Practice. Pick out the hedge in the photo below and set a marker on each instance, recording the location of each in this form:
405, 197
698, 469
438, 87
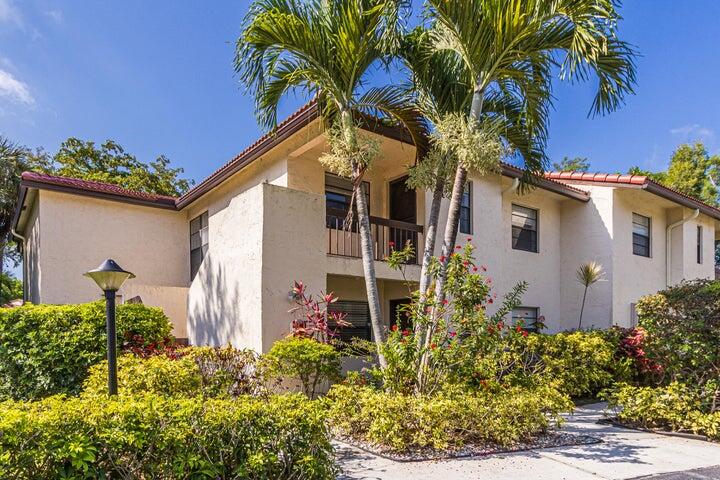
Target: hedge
47, 349
143, 437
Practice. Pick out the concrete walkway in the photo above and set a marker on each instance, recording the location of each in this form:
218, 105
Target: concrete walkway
623, 454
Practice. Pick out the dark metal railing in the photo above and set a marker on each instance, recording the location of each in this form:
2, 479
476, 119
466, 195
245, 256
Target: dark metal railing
344, 240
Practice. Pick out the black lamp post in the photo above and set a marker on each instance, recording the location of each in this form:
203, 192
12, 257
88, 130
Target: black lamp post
110, 277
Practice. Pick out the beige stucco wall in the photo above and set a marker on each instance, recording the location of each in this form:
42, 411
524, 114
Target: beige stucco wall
31, 254
172, 300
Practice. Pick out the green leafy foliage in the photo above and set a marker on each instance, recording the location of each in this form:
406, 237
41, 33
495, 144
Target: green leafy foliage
282, 437
683, 331
48, 349
303, 360
576, 164
501, 416
110, 163
217, 372
675, 407
10, 288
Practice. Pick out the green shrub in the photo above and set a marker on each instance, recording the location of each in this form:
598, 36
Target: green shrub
147, 437
501, 416
676, 407
304, 360
47, 349
223, 372
683, 331
582, 363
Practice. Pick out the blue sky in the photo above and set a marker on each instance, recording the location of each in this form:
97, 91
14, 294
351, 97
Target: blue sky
158, 78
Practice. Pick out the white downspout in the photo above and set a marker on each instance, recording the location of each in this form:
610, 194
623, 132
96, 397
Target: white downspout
24, 267
668, 243
513, 186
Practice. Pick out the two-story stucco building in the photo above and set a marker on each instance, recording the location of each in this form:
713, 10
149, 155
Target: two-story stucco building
222, 258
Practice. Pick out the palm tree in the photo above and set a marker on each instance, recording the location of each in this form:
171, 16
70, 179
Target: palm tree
587, 275
12, 164
326, 47
513, 46
439, 95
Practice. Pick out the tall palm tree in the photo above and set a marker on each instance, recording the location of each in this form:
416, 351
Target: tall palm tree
442, 88
326, 47
12, 164
514, 46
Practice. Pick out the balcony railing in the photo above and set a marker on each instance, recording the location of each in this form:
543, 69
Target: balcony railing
345, 240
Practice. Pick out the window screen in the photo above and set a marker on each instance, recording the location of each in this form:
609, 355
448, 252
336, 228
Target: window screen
641, 235
199, 242
524, 228
358, 315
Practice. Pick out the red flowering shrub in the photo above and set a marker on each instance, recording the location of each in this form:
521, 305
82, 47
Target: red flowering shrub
632, 345
138, 346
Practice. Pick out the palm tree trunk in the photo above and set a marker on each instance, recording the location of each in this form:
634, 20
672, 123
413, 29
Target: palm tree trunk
366, 243
430, 234
582, 307
368, 261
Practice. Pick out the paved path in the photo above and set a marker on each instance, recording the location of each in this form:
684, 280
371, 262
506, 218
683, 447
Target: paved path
623, 454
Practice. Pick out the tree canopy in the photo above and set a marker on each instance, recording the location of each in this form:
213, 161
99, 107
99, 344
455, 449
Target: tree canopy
575, 164
692, 171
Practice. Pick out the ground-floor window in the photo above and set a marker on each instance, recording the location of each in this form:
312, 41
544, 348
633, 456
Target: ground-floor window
358, 316
527, 317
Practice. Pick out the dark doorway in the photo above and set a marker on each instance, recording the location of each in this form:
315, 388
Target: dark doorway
398, 315
403, 208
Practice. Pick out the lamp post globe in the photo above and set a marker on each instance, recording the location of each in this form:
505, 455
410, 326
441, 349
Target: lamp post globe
109, 276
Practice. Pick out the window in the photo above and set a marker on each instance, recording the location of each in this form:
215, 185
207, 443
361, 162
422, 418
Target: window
466, 210
358, 315
198, 242
524, 228
699, 244
338, 192
641, 235
526, 317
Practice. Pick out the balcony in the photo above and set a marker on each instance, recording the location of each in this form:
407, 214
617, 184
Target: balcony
345, 242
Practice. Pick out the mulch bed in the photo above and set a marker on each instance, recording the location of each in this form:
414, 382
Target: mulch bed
548, 440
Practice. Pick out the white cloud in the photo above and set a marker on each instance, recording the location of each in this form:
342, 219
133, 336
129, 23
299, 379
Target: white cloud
693, 132
14, 89
10, 14
56, 15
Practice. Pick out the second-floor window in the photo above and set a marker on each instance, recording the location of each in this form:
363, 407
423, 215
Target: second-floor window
524, 228
466, 210
699, 244
338, 193
199, 242
641, 235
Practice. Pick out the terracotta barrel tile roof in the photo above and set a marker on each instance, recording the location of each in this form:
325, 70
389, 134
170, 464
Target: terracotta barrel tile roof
100, 188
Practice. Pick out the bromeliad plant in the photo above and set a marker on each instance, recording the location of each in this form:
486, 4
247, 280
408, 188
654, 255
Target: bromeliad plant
313, 318
446, 339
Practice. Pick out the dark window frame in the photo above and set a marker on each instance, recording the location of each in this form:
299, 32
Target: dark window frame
465, 223
533, 245
337, 186
642, 244
198, 245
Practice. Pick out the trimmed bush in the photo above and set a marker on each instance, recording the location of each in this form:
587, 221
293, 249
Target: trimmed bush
676, 407
222, 372
147, 437
47, 349
501, 416
303, 360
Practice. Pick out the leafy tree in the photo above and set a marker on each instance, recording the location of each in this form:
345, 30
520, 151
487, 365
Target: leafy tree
110, 163
575, 164
10, 288
327, 47
513, 45
692, 171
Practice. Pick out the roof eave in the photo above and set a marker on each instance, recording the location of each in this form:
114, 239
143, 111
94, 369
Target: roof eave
555, 187
22, 195
688, 202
